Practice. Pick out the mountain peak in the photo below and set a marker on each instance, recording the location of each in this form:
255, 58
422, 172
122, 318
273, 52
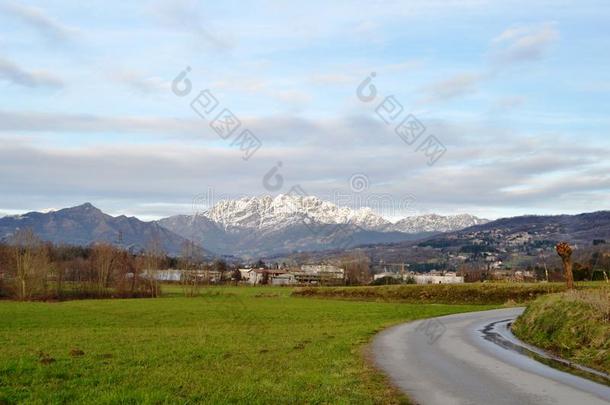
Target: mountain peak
85, 224
85, 208
284, 210
437, 223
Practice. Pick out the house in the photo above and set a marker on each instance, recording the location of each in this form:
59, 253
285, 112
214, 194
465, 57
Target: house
519, 238
323, 269
163, 275
246, 274
263, 276
386, 274
319, 274
284, 279
437, 278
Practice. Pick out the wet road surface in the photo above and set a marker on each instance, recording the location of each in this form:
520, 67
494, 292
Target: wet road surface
474, 359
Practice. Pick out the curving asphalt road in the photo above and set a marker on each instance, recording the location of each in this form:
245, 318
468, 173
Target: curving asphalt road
457, 359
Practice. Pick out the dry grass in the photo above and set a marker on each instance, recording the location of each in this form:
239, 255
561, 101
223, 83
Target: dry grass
574, 325
598, 299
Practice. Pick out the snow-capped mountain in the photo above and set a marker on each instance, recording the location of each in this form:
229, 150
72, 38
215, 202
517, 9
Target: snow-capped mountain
269, 225
437, 223
285, 210
249, 227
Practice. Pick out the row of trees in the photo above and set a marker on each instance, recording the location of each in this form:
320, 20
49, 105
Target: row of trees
33, 269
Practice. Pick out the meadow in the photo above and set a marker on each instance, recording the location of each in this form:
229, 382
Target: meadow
228, 345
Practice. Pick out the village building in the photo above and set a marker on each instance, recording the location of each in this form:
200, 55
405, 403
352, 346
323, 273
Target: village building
320, 274
387, 274
438, 278
284, 279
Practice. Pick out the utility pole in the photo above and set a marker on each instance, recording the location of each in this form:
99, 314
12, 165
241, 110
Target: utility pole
546, 271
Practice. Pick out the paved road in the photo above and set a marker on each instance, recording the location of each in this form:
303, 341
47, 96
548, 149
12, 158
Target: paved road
448, 360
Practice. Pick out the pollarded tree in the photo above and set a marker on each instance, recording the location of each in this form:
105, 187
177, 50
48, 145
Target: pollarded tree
565, 252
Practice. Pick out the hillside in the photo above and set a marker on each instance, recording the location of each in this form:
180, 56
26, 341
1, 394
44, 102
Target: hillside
503, 243
85, 224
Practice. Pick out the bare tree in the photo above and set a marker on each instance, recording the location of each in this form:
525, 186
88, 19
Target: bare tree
236, 275
220, 266
153, 259
103, 257
124, 273
31, 260
356, 267
190, 262
565, 252
5, 263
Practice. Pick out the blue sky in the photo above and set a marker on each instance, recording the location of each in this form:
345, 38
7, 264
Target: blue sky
518, 92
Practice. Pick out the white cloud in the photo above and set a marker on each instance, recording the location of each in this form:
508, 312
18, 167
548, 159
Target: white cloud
525, 43
407, 65
484, 167
140, 82
508, 103
15, 74
331, 79
187, 16
295, 98
87, 123
49, 27
452, 87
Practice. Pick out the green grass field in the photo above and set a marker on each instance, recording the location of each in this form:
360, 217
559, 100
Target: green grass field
230, 345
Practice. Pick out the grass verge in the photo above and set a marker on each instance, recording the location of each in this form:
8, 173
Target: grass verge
230, 345
475, 293
574, 325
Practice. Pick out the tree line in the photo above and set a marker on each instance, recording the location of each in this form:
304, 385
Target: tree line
31, 269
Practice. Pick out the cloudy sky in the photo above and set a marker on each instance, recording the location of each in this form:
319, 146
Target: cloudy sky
513, 95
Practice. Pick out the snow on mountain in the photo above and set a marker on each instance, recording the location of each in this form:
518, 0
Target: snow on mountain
266, 225
283, 210
249, 227
278, 212
437, 223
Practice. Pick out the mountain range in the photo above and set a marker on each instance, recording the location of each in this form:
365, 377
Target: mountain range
581, 229
86, 224
522, 240
248, 227
262, 226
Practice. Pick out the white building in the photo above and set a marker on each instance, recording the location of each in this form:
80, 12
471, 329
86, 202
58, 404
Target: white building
262, 276
284, 279
447, 278
327, 270
246, 275
387, 274
163, 275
